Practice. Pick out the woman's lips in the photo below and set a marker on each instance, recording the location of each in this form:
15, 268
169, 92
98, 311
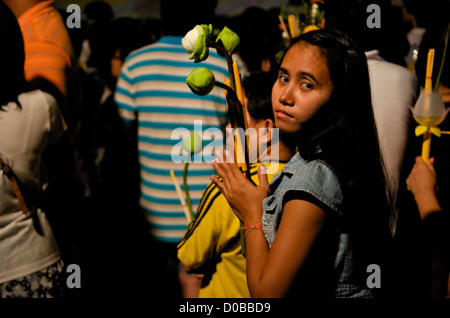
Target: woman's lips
282, 115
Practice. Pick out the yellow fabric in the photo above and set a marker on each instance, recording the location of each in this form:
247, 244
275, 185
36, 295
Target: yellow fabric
212, 245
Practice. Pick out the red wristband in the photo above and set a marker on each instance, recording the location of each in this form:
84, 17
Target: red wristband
256, 226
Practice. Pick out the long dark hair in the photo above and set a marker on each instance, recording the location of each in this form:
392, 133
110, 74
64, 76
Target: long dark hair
343, 134
12, 57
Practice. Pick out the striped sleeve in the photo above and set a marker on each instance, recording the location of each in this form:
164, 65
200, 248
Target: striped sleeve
45, 60
124, 95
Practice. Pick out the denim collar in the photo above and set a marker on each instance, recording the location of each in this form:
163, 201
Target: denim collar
295, 162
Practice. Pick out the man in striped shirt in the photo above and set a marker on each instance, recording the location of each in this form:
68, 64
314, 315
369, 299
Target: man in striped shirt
152, 92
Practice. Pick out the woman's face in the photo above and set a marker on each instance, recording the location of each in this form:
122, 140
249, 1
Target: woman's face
303, 86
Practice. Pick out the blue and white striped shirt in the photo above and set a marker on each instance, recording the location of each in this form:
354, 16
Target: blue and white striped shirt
152, 90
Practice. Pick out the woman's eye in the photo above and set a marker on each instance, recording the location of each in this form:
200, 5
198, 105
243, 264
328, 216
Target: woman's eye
307, 85
284, 79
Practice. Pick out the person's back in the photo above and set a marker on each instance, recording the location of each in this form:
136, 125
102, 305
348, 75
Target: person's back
152, 90
394, 90
24, 133
152, 93
30, 121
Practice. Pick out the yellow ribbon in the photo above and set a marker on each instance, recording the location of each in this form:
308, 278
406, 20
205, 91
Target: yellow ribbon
421, 129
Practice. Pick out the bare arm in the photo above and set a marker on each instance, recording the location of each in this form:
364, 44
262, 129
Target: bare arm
270, 272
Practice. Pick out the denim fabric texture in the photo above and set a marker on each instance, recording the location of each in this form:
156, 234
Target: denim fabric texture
317, 179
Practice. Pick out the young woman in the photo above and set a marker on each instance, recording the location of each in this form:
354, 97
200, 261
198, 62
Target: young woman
325, 218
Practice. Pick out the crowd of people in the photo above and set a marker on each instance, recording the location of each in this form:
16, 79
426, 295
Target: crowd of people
87, 117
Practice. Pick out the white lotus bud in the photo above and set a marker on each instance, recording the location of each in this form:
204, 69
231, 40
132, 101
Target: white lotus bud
189, 40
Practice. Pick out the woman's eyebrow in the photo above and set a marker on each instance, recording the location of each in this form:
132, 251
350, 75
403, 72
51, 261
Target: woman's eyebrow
306, 74
283, 70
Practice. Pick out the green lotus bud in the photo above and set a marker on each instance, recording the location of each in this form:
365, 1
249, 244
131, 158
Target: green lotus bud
193, 143
201, 81
196, 42
229, 39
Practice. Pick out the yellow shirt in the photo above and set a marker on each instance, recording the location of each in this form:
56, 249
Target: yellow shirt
212, 245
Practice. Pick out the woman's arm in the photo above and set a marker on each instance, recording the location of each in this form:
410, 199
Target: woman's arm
270, 272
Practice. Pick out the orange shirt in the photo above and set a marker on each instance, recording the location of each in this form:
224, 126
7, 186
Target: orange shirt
48, 49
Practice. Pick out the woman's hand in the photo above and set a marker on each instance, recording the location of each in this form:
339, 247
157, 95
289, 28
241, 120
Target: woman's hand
422, 182
243, 196
422, 178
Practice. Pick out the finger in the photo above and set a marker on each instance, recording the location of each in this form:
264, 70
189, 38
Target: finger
224, 156
228, 157
224, 171
431, 164
220, 185
219, 156
262, 176
225, 164
409, 183
234, 170
219, 169
419, 160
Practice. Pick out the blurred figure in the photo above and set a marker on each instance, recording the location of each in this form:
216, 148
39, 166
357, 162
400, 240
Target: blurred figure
48, 49
260, 39
152, 94
394, 88
98, 12
420, 237
30, 121
436, 226
419, 17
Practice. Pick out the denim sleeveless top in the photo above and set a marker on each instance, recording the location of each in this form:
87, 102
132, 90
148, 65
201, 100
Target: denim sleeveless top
317, 179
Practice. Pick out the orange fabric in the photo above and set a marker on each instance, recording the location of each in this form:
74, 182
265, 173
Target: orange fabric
48, 49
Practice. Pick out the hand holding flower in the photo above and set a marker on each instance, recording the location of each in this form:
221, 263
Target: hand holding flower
422, 182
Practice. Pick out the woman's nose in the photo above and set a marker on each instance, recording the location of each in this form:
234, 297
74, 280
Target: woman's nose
286, 97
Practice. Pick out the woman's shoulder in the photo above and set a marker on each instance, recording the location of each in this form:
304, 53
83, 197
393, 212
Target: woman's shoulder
37, 98
315, 172
318, 179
